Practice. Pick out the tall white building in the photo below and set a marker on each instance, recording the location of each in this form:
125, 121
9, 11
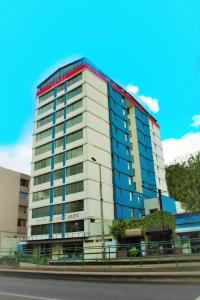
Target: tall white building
88, 131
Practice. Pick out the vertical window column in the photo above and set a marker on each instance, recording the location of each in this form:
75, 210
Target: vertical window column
64, 160
52, 167
65, 99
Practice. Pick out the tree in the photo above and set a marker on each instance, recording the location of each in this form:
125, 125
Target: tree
117, 229
152, 221
183, 181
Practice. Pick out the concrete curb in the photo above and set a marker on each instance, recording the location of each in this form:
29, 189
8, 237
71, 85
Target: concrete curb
156, 277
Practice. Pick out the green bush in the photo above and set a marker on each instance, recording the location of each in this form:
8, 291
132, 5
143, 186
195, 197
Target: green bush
152, 221
117, 229
134, 251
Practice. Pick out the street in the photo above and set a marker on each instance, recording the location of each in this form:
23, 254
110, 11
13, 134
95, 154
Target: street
42, 289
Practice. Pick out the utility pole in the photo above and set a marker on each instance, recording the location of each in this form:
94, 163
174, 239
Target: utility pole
101, 208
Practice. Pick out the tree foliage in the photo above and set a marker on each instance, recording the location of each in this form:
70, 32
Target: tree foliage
183, 181
152, 221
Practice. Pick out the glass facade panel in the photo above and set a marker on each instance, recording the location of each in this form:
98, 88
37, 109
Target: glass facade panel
43, 134
75, 169
74, 92
42, 195
42, 179
74, 152
40, 212
74, 206
76, 105
45, 108
58, 191
74, 121
74, 226
58, 174
45, 96
57, 209
57, 228
60, 113
42, 163
74, 79
40, 229
59, 143
74, 187
42, 149
59, 127
58, 158
44, 121
60, 100
72, 137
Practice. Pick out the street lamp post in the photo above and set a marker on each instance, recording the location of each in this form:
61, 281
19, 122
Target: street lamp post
101, 208
162, 215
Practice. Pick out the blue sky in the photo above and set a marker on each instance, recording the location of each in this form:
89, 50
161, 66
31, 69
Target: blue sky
153, 45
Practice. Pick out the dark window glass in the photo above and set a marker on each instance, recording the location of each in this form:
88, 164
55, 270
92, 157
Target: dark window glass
74, 206
40, 212
74, 226
75, 169
42, 179
24, 182
74, 187
57, 209
58, 174
58, 191
57, 228
40, 229
74, 79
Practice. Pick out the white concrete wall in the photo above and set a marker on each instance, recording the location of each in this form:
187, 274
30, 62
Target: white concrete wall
179, 208
96, 143
150, 204
158, 159
135, 152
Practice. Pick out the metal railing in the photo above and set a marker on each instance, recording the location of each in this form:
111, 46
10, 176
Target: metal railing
184, 250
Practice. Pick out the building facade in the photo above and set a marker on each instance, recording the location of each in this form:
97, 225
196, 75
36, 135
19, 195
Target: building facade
97, 155
14, 189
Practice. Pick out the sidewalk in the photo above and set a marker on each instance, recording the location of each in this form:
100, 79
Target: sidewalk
108, 276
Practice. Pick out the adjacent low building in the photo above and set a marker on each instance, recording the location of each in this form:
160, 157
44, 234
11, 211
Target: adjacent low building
14, 189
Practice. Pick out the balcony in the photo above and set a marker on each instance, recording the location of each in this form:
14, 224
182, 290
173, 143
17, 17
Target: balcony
21, 230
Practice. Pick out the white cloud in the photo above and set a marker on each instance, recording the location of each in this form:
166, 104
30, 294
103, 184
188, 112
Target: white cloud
133, 89
175, 149
17, 156
196, 121
150, 102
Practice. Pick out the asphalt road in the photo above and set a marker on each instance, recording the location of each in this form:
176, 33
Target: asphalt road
42, 289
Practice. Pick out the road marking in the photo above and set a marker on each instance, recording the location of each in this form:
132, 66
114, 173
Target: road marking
27, 296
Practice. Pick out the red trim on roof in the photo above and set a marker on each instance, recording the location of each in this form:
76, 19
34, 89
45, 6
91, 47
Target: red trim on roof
153, 121
127, 96
114, 85
96, 73
61, 79
66, 76
132, 100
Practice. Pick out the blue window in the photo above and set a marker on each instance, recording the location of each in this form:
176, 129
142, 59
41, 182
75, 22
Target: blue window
23, 196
